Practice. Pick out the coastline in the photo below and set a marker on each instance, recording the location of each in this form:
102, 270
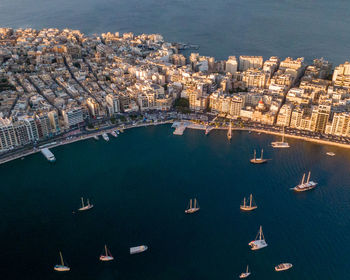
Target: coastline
189, 126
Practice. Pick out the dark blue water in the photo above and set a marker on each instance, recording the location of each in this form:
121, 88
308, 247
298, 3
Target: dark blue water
140, 184
309, 28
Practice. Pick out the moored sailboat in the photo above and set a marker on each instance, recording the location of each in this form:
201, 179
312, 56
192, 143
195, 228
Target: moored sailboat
280, 144
107, 256
61, 267
85, 207
192, 209
305, 186
245, 274
260, 160
248, 206
259, 241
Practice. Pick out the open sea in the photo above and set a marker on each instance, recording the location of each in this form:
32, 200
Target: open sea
307, 28
140, 184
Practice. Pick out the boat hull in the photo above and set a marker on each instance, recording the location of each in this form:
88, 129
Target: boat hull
283, 266
257, 244
248, 208
85, 208
305, 188
191, 210
138, 249
106, 258
280, 145
244, 275
258, 161
61, 268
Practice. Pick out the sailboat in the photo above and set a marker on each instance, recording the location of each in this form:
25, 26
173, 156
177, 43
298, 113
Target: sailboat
281, 144
259, 241
229, 132
248, 206
193, 209
260, 160
85, 207
305, 186
245, 274
62, 266
106, 256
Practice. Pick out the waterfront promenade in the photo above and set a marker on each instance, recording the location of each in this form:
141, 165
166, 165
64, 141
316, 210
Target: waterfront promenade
188, 125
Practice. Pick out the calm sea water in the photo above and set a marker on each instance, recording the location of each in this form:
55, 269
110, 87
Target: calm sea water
309, 28
140, 184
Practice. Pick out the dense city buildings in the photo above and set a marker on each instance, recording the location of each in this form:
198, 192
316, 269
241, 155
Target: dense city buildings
54, 81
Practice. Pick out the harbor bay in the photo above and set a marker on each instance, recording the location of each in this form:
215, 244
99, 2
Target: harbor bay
140, 184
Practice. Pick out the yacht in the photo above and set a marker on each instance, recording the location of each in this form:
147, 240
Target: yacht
283, 266
61, 267
138, 249
260, 160
105, 137
280, 144
248, 206
85, 207
305, 186
259, 241
245, 274
192, 209
96, 137
106, 256
114, 134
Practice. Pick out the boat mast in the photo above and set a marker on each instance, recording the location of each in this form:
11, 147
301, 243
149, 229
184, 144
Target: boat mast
88, 202
308, 177
283, 135
62, 263
260, 232
254, 154
251, 198
247, 269
191, 203
195, 200
302, 181
106, 250
82, 202
262, 152
244, 202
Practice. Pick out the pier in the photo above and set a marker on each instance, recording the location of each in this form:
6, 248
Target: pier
179, 127
47, 153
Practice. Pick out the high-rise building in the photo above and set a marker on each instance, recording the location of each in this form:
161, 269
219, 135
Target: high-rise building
247, 62
231, 65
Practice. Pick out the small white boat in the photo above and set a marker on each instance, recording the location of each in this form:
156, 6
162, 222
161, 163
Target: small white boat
283, 266
280, 144
105, 137
85, 207
192, 209
138, 249
248, 206
114, 134
330, 154
96, 137
259, 241
305, 186
245, 274
106, 256
61, 267
117, 131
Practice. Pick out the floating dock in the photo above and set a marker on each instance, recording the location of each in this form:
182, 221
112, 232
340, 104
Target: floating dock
47, 153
